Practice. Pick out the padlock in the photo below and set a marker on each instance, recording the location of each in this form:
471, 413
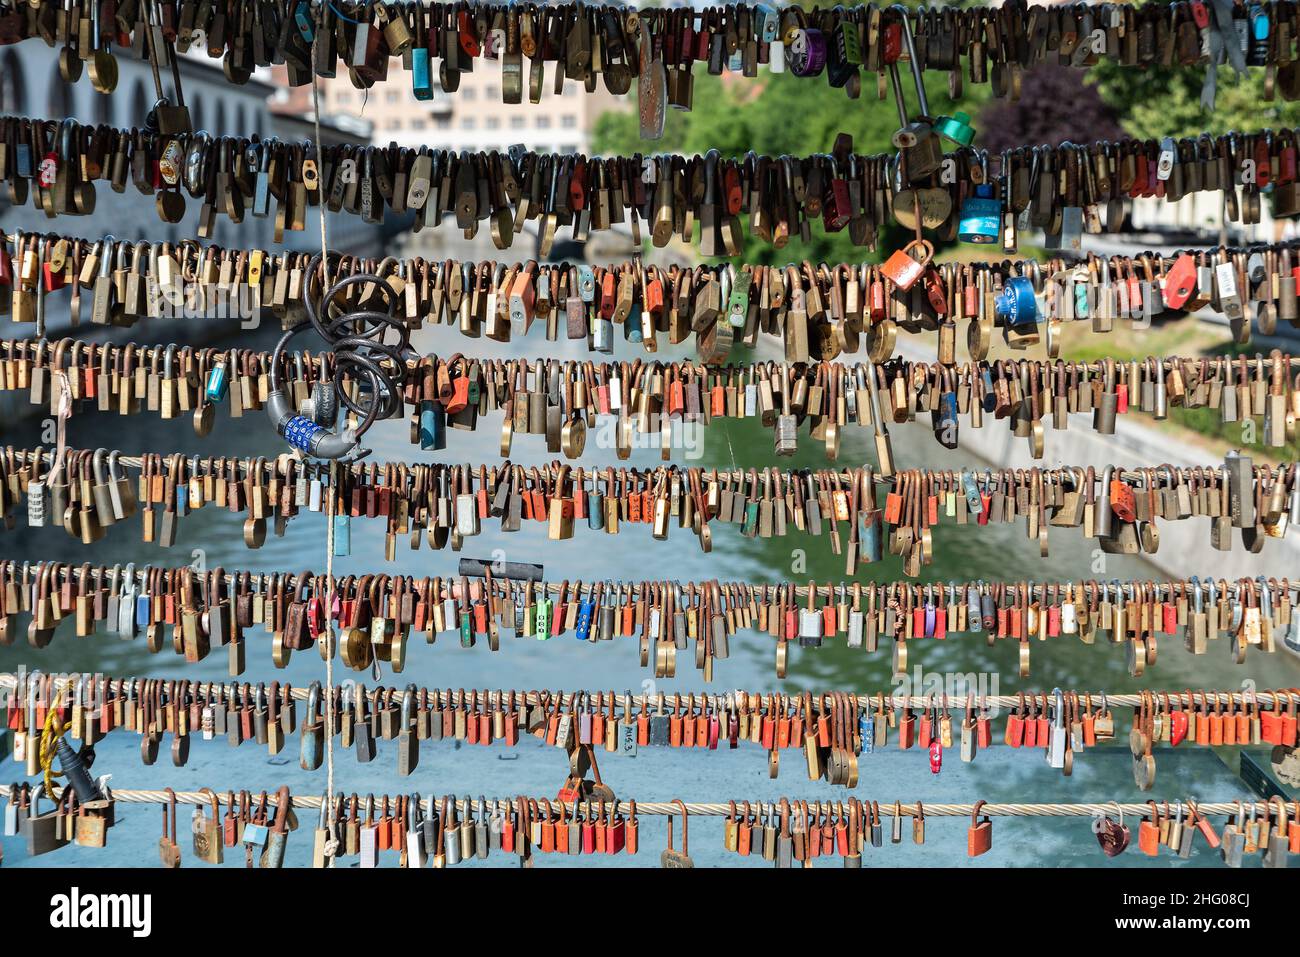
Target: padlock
1016, 303
905, 266
980, 220
956, 128
916, 139
979, 836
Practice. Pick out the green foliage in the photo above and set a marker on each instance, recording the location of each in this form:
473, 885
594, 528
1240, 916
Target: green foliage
778, 114
1167, 102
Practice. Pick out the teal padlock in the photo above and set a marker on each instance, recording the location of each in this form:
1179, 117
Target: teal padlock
956, 128
980, 221
342, 536
218, 383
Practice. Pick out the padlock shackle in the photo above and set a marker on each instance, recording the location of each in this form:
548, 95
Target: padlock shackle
911, 59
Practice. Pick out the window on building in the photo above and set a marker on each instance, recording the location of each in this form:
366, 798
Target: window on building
567, 148
417, 124
196, 113
393, 123
467, 123
492, 92
392, 96
442, 122
468, 93
492, 122
543, 122
219, 124
344, 97
516, 122
569, 121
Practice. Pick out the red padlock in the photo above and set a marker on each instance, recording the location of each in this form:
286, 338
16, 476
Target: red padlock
893, 48
1180, 282
836, 207
936, 291
1177, 727
907, 265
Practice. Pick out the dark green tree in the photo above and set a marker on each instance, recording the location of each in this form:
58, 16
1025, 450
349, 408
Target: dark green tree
1038, 117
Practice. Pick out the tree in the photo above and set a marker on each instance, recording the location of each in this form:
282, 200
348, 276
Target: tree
1056, 105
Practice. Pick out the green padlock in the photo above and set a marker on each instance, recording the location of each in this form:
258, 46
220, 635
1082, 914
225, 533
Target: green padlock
956, 128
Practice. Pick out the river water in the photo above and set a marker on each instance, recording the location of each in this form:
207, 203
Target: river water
998, 774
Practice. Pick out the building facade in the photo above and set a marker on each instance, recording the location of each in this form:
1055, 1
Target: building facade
474, 118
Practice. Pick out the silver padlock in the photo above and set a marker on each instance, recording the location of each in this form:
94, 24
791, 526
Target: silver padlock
915, 139
787, 427
1058, 736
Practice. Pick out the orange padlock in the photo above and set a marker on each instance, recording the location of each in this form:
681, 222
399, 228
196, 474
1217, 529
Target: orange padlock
907, 265
1122, 501
453, 386
1149, 832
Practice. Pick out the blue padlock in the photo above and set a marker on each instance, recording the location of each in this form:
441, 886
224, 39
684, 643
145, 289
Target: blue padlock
872, 548
585, 611
342, 536
218, 383
867, 731
632, 325
433, 426
981, 217
1016, 303
945, 420
303, 19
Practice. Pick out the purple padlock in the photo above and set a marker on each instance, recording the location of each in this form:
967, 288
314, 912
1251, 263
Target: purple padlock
807, 52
